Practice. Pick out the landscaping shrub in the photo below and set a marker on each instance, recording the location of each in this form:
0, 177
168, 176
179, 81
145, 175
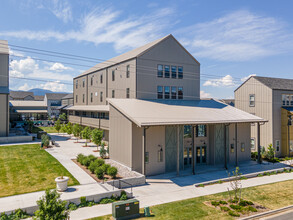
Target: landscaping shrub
72, 206
91, 203
123, 197
123, 193
252, 209
236, 207
100, 173
86, 161
92, 157
234, 214
112, 171
93, 166
245, 203
224, 208
215, 203
19, 214
222, 202
83, 201
100, 162
80, 157
45, 140
254, 155
105, 168
106, 201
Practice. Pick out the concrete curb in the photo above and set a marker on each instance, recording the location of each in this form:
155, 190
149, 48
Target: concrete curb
249, 175
268, 213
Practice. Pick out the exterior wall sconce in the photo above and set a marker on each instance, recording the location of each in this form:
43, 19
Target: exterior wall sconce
160, 153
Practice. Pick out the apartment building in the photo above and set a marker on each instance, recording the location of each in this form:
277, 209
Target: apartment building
54, 102
4, 88
148, 103
271, 99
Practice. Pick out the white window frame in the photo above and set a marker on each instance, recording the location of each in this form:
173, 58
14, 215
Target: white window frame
251, 103
251, 144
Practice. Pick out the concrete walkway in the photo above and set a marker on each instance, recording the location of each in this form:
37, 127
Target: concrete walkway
162, 191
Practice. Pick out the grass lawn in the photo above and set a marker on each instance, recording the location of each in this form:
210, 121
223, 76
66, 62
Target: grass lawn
272, 196
46, 129
26, 168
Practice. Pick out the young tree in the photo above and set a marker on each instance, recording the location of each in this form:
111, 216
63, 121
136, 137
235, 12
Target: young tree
97, 136
63, 117
63, 128
235, 183
86, 134
51, 207
58, 125
69, 128
76, 131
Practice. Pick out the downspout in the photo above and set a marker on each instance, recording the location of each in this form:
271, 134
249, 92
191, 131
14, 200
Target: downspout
236, 148
144, 150
192, 151
258, 143
225, 146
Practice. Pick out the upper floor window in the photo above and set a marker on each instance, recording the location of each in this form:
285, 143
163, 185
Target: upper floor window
160, 92
101, 78
127, 93
174, 71
127, 71
113, 75
76, 98
173, 92
252, 100
83, 98
180, 92
160, 70
83, 82
180, 72
201, 131
76, 84
101, 96
277, 145
287, 99
167, 71
91, 97
113, 93
167, 92
92, 80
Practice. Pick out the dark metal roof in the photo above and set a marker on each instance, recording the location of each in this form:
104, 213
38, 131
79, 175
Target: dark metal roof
69, 96
55, 96
276, 83
20, 94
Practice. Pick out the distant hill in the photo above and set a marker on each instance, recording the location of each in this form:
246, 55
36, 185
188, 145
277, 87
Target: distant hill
38, 91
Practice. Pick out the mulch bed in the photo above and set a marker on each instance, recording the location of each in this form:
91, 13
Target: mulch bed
108, 178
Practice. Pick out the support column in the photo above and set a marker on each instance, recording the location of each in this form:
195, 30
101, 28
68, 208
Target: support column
192, 152
143, 150
225, 146
178, 151
258, 143
236, 148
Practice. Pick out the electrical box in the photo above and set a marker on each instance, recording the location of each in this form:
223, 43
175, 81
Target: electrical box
126, 209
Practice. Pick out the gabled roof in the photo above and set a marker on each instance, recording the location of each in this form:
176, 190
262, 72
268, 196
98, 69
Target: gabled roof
39, 97
20, 94
69, 96
180, 112
130, 55
55, 96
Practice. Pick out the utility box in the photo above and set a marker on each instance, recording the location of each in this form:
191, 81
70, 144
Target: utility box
126, 209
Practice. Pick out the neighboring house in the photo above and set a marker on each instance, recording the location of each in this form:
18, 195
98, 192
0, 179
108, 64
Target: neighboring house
28, 110
147, 101
229, 101
53, 102
271, 99
67, 100
4, 88
39, 97
21, 95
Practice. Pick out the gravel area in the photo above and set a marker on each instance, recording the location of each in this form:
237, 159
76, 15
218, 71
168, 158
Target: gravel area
123, 171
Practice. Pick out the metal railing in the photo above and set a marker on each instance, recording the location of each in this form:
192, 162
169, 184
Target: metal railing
119, 184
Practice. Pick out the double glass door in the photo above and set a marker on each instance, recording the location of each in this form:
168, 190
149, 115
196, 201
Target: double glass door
201, 155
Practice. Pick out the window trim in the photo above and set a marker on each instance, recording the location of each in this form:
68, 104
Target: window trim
172, 97
165, 92
180, 75
278, 146
251, 105
165, 71
113, 75
127, 93
162, 74
251, 144
128, 71
162, 95
173, 72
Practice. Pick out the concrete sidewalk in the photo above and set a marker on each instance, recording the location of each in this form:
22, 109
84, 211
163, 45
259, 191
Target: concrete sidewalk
166, 190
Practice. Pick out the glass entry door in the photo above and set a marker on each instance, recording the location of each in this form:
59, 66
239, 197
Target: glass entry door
201, 155
187, 156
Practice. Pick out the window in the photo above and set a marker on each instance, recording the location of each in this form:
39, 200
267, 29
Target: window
291, 99
91, 97
113, 93
252, 143
287, 99
242, 147
180, 92
167, 92
76, 98
146, 157
284, 99
92, 80
160, 70
83, 82
76, 113
201, 131
167, 71
113, 75
76, 84
127, 71
174, 71
160, 92
180, 72
277, 145
127, 93
101, 78
101, 96
83, 98
251, 100
174, 92
84, 114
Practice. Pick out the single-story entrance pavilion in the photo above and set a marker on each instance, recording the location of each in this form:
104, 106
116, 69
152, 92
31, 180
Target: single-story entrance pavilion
158, 136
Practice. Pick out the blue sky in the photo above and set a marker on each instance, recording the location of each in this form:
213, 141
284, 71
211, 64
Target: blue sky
231, 39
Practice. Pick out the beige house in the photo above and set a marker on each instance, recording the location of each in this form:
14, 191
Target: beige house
271, 99
4, 88
148, 103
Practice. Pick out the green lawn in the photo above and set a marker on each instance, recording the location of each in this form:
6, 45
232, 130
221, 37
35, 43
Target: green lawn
272, 196
46, 129
26, 168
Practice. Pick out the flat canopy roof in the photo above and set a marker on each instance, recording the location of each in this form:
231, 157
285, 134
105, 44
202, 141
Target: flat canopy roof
29, 103
180, 112
32, 111
92, 108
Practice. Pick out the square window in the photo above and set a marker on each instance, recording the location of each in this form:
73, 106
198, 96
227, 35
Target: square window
167, 71
160, 70
180, 72
174, 92
180, 92
160, 92
284, 99
167, 92
251, 100
174, 72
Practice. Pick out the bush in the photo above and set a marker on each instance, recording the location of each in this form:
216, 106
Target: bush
86, 161
45, 140
105, 168
83, 201
72, 206
80, 157
100, 173
215, 203
245, 203
93, 166
252, 209
123, 193
100, 162
234, 214
51, 206
224, 208
236, 207
254, 155
112, 171
123, 197
92, 157
106, 201
223, 202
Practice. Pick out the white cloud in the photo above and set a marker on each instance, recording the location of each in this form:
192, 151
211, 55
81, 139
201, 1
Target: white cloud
238, 36
24, 87
59, 67
108, 26
204, 94
247, 77
226, 81
56, 86
60, 8
24, 65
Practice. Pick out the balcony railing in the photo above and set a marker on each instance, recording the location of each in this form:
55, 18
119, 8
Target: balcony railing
92, 122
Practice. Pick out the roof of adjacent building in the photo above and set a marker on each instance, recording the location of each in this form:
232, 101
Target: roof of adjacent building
27, 103
39, 97
180, 112
69, 96
20, 94
130, 55
4, 47
55, 96
94, 108
31, 111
